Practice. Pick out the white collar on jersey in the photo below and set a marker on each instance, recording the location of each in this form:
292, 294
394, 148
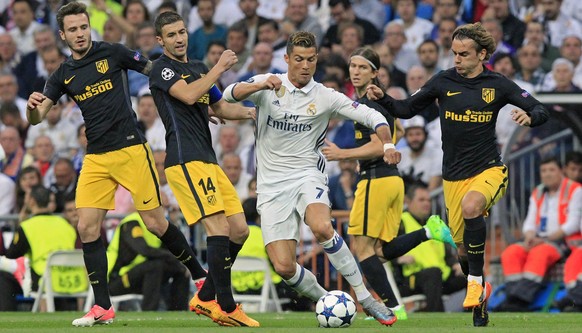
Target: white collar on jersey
290, 87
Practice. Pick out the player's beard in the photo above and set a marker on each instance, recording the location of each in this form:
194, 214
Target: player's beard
81, 50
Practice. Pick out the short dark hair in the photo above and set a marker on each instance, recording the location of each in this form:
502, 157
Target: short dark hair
346, 3
428, 41
168, 5
411, 191
302, 39
72, 8
270, 22
164, 19
41, 195
239, 27
574, 157
502, 55
9, 108
215, 42
551, 159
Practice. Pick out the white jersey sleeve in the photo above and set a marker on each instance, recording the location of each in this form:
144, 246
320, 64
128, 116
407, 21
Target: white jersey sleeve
346, 108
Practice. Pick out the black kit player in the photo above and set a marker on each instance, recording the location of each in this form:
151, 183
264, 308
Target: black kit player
183, 90
95, 77
470, 97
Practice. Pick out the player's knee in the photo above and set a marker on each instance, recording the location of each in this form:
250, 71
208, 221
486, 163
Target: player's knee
322, 231
471, 209
88, 231
285, 270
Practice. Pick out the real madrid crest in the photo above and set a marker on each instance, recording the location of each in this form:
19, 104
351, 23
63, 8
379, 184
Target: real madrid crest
311, 110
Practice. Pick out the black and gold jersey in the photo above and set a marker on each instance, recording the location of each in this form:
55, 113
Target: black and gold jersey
188, 137
98, 84
376, 167
468, 110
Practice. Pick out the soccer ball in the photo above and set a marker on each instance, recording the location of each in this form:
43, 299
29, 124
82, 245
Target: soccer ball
335, 309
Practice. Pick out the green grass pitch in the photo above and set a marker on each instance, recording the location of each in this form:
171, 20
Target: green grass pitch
296, 322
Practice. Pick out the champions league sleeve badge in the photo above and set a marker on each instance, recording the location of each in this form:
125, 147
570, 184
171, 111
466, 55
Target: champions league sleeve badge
311, 110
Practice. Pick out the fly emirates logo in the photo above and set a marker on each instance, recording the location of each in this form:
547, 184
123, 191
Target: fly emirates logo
289, 123
470, 116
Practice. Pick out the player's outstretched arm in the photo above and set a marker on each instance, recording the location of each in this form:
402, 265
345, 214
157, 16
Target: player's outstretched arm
391, 155
37, 107
370, 150
240, 91
224, 110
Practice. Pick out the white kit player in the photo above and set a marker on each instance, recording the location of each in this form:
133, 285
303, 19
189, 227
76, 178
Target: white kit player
293, 112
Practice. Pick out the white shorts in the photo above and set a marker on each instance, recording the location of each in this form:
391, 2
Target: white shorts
281, 212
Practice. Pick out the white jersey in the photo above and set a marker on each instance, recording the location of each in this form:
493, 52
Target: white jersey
291, 128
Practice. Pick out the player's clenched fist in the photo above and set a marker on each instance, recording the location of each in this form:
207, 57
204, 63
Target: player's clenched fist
34, 100
272, 83
392, 156
227, 59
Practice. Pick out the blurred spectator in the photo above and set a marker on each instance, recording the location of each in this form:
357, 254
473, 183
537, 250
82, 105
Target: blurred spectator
200, 38
100, 11
16, 157
530, 68
416, 29
25, 25
570, 50
10, 116
72, 216
428, 55
149, 118
552, 222
26, 180
227, 12
139, 265
297, 18
251, 21
505, 126
536, 34
343, 185
112, 32
394, 37
559, 25
269, 33
262, 58
419, 162
168, 198
62, 133
513, 28
563, 74
342, 12
39, 236
496, 30
10, 279
51, 58
431, 268
147, 44
397, 77
7, 195
228, 141
232, 166
65, 182
9, 54
236, 40
80, 155
446, 27
573, 166
572, 8
213, 53
445, 10
32, 65
43, 152
372, 10
350, 39
9, 93
133, 14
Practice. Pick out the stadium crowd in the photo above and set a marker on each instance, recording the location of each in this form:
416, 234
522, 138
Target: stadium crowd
539, 46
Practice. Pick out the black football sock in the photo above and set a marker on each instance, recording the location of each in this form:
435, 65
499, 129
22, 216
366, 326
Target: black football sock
400, 245
95, 258
377, 278
176, 242
219, 263
208, 291
474, 240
